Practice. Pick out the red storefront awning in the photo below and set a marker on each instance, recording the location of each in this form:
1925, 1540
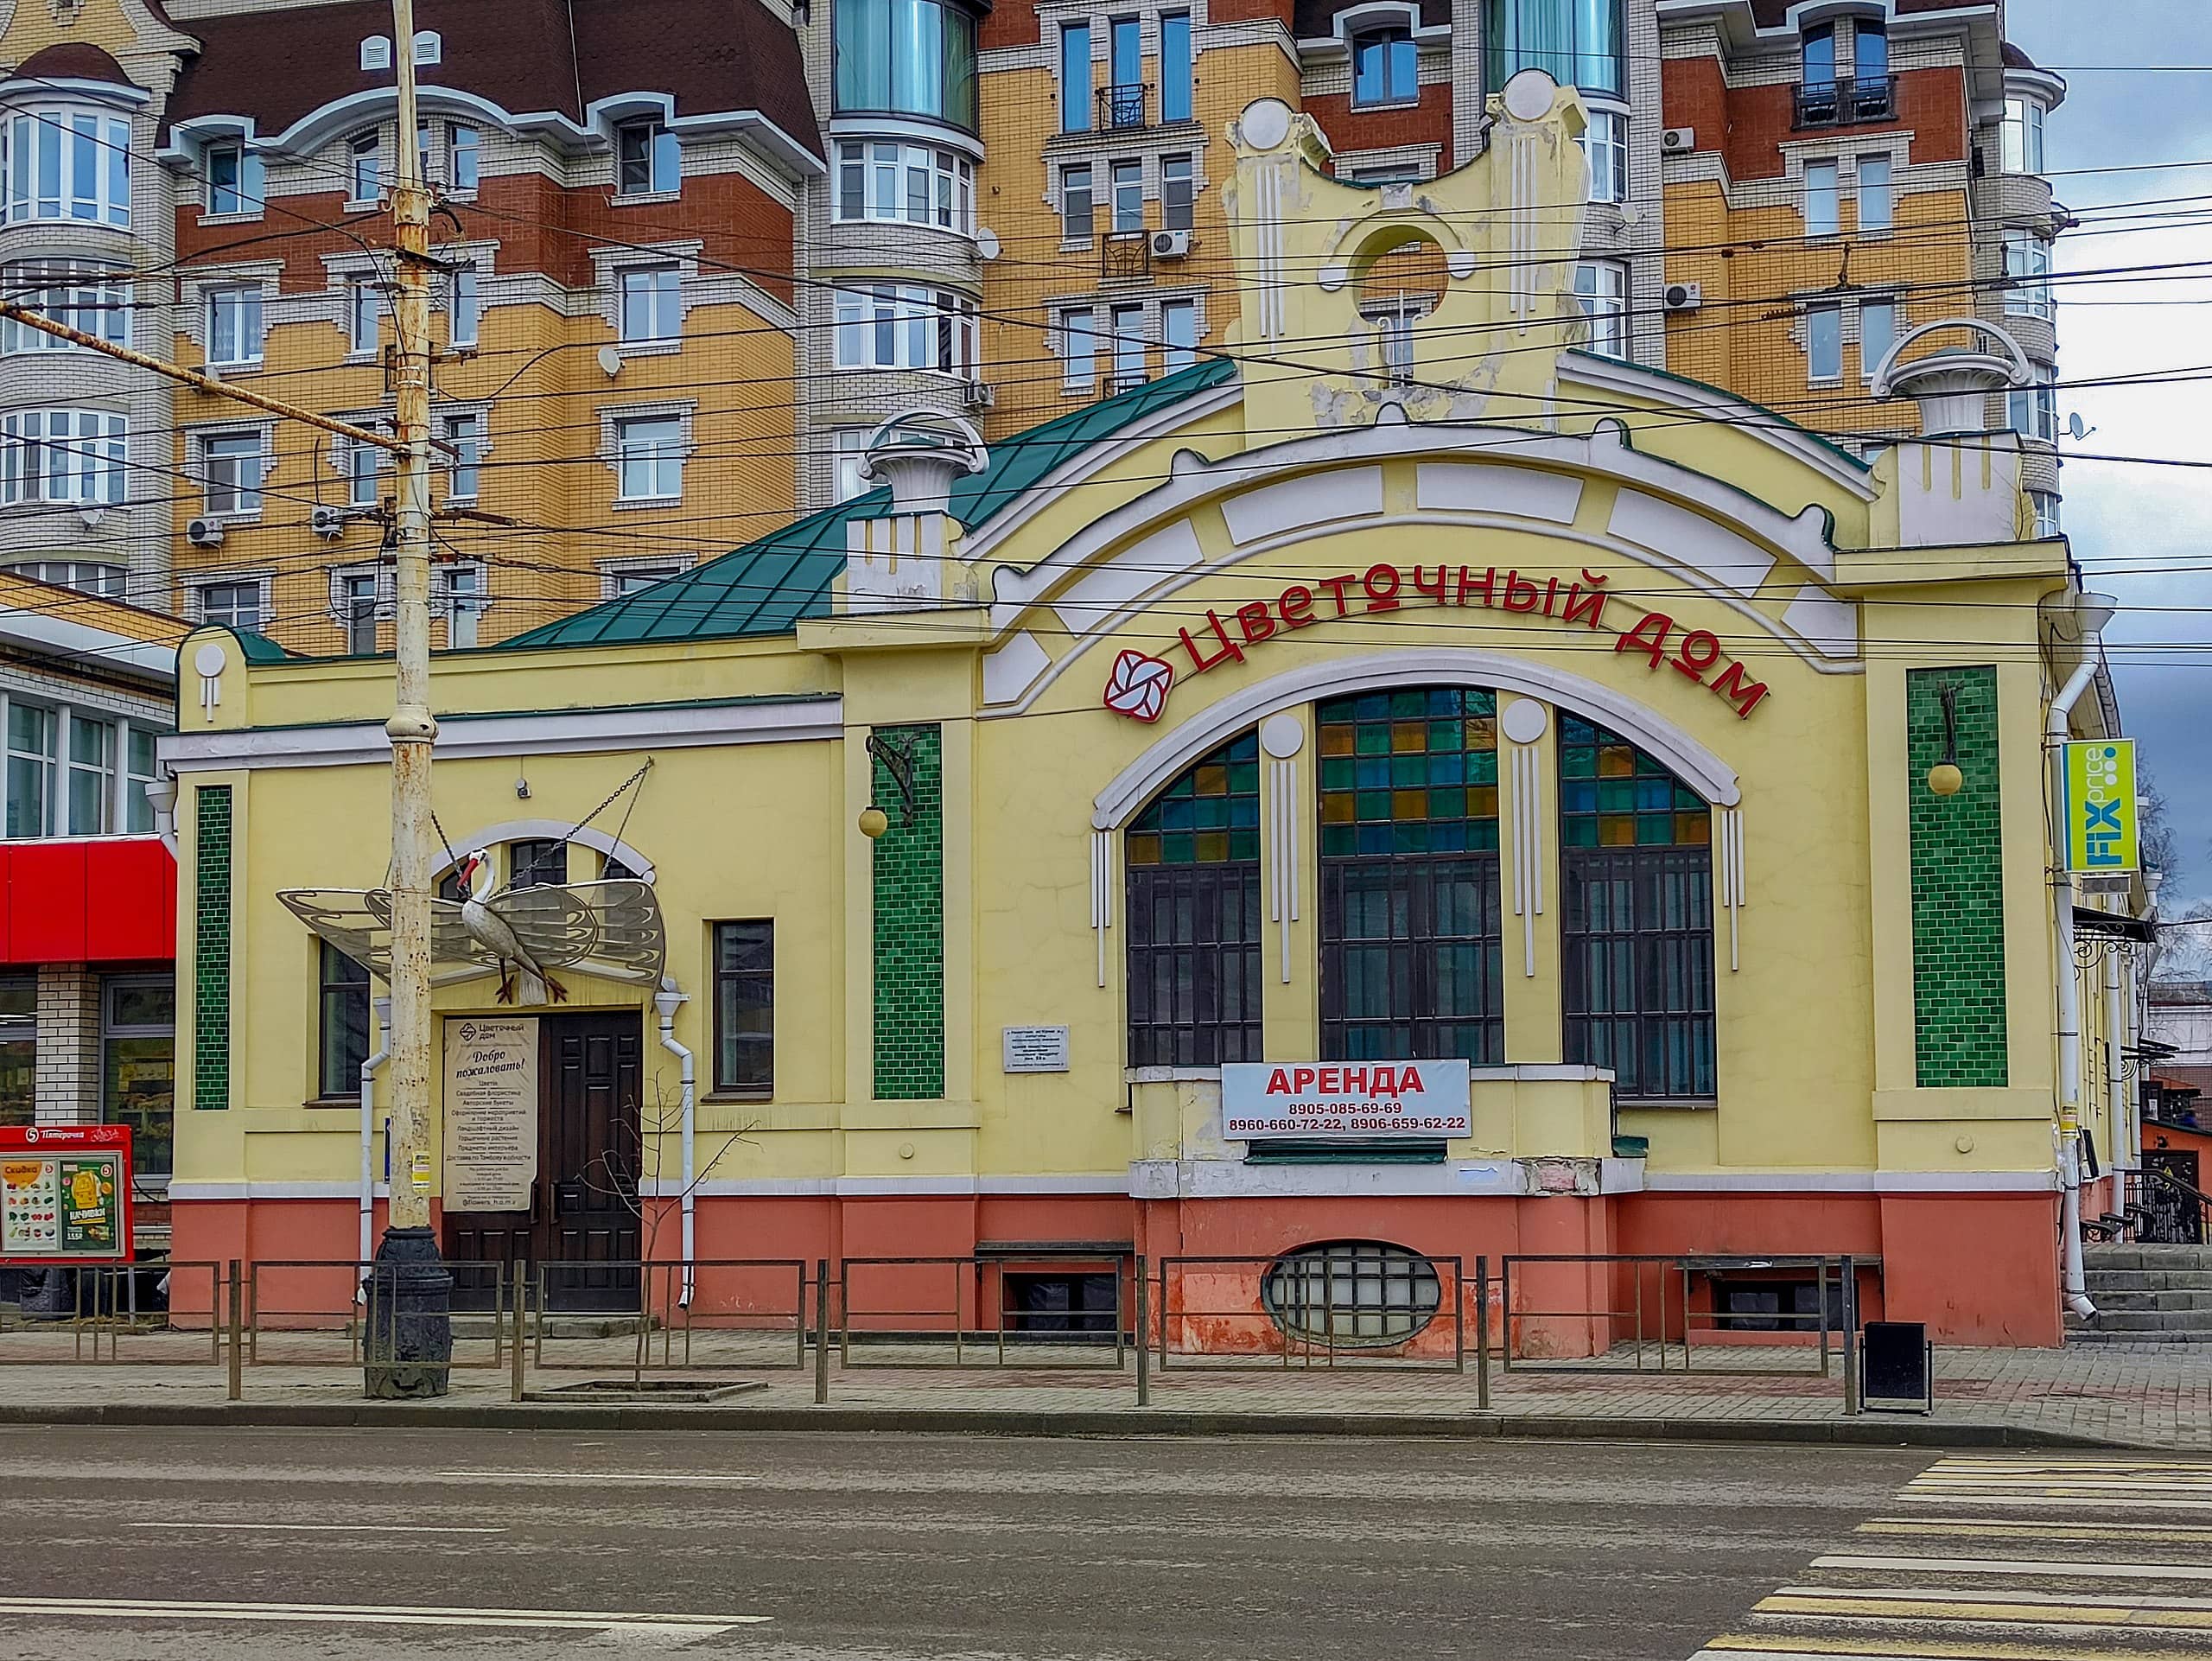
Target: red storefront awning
87, 899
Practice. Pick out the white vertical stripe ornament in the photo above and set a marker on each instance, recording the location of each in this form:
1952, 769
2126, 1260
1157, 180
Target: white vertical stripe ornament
1102, 893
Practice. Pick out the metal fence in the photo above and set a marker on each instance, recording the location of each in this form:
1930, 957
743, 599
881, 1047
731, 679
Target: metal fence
1225, 1313
118, 1312
976, 1311
717, 1313
1610, 1313
312, 1313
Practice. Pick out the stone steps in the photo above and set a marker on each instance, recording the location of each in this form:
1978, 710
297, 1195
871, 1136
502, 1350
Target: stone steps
2146, 1294
2148, 1280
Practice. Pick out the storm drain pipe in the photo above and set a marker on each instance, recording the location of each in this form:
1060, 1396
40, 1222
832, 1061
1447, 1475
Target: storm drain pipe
668, 1000
2125, 1146
383, 1009
2093, 611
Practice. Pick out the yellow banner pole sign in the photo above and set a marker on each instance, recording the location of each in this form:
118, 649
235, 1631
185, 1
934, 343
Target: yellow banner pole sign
2102, 820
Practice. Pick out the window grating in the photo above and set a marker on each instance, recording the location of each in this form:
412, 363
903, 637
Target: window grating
1361, 1293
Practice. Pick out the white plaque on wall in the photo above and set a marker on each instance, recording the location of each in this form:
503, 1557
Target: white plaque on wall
1036, 1049
491, 1112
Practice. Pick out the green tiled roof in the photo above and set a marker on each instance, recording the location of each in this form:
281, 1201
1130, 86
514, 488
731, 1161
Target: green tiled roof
768, 586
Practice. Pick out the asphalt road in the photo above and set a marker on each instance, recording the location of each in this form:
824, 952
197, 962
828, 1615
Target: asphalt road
256, 1544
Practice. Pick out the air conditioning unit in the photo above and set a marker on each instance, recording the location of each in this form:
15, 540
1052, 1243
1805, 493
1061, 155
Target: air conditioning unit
1171, 245
204, 533
1675, 140
979, 395
328, 523
1684, 296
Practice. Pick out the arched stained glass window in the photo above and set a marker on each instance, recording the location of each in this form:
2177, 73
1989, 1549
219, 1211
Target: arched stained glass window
1637, 929
1193, 917
1409, 882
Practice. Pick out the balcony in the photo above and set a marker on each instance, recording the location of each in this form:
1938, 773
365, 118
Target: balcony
1845, 103
1125, 255
1121, 109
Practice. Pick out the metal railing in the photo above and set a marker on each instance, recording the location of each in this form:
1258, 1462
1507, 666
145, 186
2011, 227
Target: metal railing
941, 1312
1125, 255
317, 1313
119, 1313
1639, 1312
1121, 108
750, 1313
2170, 1210
1845, 103
1238, 1313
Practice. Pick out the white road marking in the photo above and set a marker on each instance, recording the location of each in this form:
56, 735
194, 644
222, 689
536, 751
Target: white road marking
669, 1626
2012, 1566
1990, 1597
602, 1476
325, 1528
2041, 1501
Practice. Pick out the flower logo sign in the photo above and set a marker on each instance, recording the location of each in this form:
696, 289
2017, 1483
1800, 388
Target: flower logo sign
1137, 687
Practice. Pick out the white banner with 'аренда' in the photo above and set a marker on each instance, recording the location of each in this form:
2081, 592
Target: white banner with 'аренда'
1263, 1100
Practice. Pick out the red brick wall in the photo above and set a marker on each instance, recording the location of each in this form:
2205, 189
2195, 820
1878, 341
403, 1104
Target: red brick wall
1014, 23
1930, 102
1428, 122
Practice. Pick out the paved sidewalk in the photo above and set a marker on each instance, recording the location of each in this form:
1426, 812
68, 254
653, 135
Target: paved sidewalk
2149, 1396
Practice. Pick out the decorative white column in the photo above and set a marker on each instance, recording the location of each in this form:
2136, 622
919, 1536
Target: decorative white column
1281, 737
1522, 725
1728, 877
1102, 893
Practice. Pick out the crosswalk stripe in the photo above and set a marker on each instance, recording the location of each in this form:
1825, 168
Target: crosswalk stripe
664, 1625
2022, 1566
1744, 1646
2005, 1595
1908, 1607
1979, 1497
2015, 1528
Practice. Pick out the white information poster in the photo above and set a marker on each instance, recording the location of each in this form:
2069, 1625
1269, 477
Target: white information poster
1035, 1049
1328, 1100
491, 1112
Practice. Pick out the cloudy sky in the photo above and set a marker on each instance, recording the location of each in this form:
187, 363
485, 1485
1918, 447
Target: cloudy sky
2143, 533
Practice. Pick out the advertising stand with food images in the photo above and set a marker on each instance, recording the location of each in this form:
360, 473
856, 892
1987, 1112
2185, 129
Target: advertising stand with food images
65, 1194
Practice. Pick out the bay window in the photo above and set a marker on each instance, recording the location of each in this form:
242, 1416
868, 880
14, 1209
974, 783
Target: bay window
1635, 879
905, 57
1601, 286
900, 325
2032, 411
1577, 42
62, 455
910, 184
2023, 136
1604, 146
89, 298
2027, 269
64, 163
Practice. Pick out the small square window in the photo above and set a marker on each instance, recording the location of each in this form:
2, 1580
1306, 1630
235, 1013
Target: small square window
652, 306
648, 458
237, 605
646, 159
234, 325
231, 465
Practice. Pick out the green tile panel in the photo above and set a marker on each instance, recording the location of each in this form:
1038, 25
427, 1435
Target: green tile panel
210, 947
1958, 887
909, 939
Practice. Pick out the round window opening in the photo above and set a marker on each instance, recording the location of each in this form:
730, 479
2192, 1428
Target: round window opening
1351, 1293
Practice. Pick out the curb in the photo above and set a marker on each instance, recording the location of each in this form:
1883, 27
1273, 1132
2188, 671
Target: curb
992, 1422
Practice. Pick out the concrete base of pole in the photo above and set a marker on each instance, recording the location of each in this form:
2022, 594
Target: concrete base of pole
409, 1351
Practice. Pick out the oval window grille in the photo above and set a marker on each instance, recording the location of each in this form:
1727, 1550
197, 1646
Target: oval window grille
1351, 1293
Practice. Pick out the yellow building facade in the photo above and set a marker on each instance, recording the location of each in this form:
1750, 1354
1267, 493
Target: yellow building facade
1436, 792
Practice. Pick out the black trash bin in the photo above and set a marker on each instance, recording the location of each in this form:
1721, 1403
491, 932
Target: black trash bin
1897, 1367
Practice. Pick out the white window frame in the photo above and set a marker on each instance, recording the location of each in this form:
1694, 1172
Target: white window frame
92, 171
1178, 355
1884, 192
1604, 147
259, 585
658, 295
1870, 360
1823, 197
2032, 410
250, 186
849, 448
906, 325
2045, 504
229, 494
478, 441
455, 185
92, 298
1078, 333
92, 576
101, 768
463, 596
1823, 328
638, 461
363, 466
246, 299
364, 163
364, 319
1601, 288
2029, 263
64, 455
876, 179
465, 307
660, 149
1125, 190
2021, 140
1178, 208
1128, 348
1079, 231
1387, 34
46, 762
636, 572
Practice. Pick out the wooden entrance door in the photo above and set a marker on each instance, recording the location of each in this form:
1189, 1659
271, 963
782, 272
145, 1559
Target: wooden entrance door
582, 1227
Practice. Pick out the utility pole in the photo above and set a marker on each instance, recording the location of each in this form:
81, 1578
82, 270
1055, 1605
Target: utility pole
411, 1328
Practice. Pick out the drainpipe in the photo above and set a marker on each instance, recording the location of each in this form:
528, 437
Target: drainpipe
2123, 1149
2092, 612
667, 1001
383, 1009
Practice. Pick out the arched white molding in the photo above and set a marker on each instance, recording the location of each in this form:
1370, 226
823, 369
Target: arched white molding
1137, 783
1192, 481
491, 835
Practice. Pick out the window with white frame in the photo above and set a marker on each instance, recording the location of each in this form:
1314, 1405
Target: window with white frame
910, 184
1385, 67
1079, 209
364, 175
1127, 185
896, 326
32, 733
648, 458
1877, 333
462, 588
89, 298
619, 581
62, 455
1601, 286
85, 575
1178, 194
468, 306
1178, 334
465, 433
140, 772
62, 162
363, 463
1394, 332
233, 180
234, 325
2027, 270
1076, 76
363, 304
357, 602
230, 472
650, 302
2032, 410
1126, 323
89, 788
1877, 202
2045, 503
1824, 341
237, 605
646, 159
851, 447
2023, 136
464, 157
1823, 208
1079, 349
1604, 146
